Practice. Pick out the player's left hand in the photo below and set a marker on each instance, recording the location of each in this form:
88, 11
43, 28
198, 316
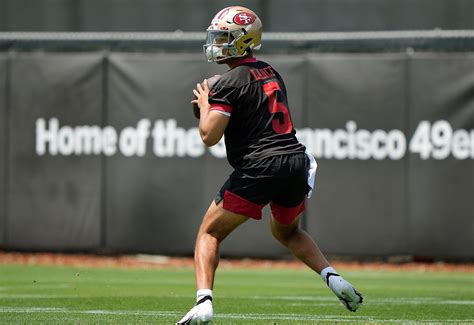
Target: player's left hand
202, 94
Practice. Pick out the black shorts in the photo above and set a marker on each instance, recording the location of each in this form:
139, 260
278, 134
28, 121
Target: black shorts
281, 181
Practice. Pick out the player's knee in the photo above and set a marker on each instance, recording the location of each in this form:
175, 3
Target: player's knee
281, 233
207, 234
210, 232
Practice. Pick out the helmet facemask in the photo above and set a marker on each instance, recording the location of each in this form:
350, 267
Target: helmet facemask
221, 45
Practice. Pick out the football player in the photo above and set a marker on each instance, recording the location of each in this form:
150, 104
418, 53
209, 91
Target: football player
248, 105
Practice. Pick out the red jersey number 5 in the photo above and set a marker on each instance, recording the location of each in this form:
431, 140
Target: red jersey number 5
281, 122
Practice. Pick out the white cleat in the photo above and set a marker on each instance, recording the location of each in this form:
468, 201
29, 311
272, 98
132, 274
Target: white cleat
202, 313
347, 294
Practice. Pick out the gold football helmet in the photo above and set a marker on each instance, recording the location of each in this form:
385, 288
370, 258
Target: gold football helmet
233, 33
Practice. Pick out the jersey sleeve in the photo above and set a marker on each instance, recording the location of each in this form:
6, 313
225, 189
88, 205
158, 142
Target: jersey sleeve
221, 99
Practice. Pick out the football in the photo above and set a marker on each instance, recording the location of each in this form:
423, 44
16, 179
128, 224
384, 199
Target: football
210, 82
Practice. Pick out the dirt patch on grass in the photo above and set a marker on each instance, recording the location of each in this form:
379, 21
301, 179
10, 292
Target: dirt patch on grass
153, 261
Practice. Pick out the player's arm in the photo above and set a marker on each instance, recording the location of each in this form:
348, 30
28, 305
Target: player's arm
212, 124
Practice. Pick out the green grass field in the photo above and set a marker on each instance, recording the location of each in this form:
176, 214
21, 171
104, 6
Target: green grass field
71, 295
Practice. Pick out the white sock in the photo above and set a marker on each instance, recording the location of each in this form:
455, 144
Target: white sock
327, 271
201, 293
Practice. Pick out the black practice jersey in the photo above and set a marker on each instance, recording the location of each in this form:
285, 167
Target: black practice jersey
254, 95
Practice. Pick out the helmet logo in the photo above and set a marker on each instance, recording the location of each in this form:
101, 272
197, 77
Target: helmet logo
244, 18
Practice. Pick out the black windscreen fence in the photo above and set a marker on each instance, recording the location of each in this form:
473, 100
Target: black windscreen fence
3, 146
54, 194
100, 152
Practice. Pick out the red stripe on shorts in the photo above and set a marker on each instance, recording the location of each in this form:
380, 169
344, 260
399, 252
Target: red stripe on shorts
237, 204
286, 215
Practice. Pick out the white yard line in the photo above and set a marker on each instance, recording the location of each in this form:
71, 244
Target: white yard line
34, 296
291, 317
297, 300
368, 301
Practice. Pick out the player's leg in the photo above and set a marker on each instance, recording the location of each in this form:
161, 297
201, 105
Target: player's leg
302, 246
287, 205
216, 225
240, 198
288, 202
